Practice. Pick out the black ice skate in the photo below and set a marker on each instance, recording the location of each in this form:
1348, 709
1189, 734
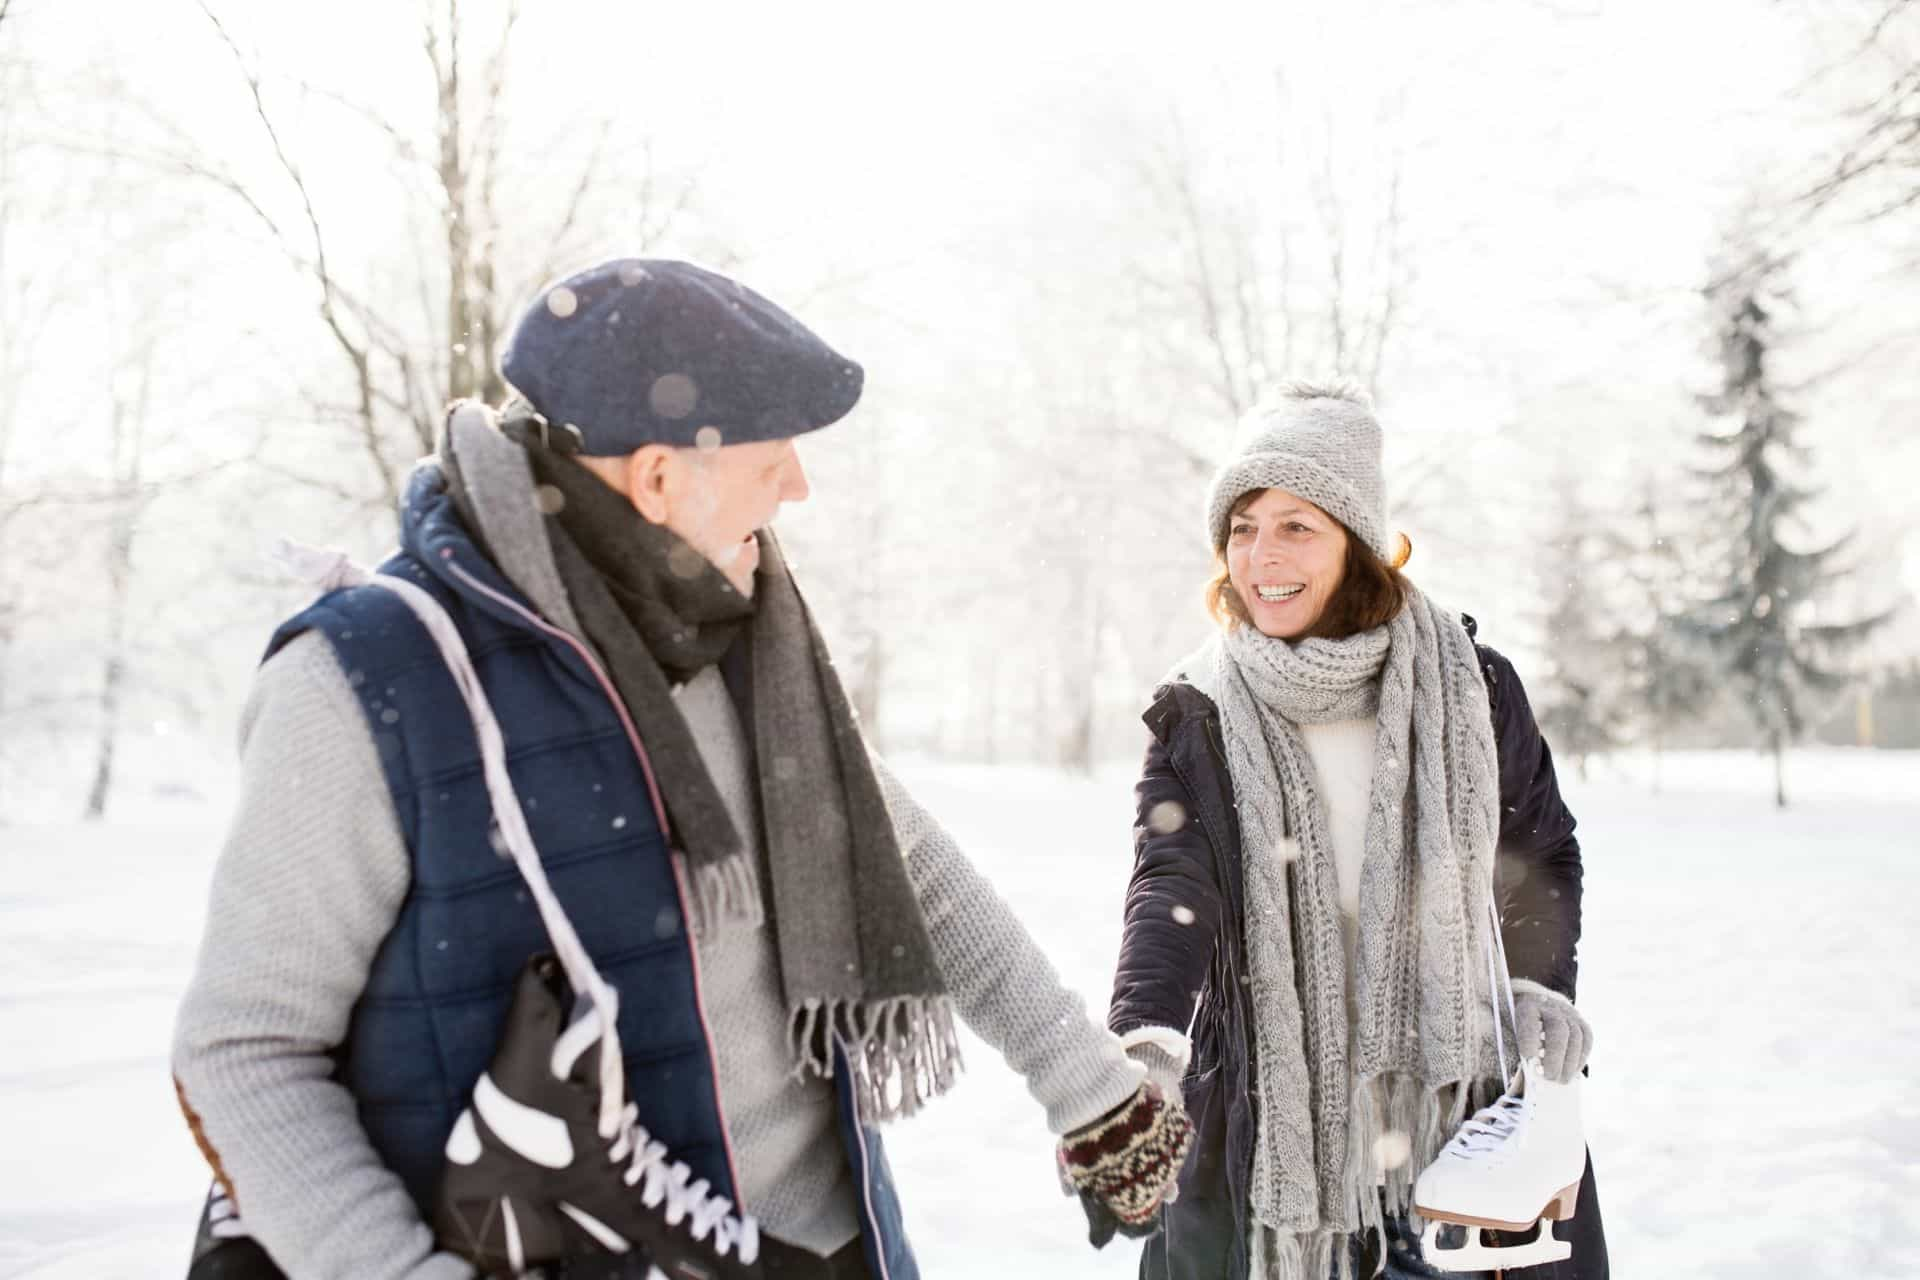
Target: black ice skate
533, 1179
222, 1247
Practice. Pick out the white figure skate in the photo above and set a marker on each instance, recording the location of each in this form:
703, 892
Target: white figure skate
1515, 1163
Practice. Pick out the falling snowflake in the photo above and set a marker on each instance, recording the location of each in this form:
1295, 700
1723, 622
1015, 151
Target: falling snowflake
632, 274
707, 439
1182, 913
620, 822
672, 395
562, 301
549, 499
1392, 1149
1166, 817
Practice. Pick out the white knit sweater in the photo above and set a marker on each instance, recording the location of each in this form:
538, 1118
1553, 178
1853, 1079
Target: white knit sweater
1342, 754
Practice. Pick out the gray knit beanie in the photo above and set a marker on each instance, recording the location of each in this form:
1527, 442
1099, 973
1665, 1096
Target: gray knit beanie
1318, 441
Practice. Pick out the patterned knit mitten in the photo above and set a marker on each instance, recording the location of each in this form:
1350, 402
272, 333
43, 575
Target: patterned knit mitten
1123, 1164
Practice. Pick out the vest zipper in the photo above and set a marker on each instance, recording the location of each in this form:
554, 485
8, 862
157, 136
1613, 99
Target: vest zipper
660, 816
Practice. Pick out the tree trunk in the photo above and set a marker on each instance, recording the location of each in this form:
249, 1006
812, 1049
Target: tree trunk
109, 734
119, 581
127, 440
1077, 752
453, 184
1779, 770
1083, 745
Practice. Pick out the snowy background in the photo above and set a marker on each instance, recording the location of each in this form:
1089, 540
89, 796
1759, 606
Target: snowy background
248, 251
1753, 1109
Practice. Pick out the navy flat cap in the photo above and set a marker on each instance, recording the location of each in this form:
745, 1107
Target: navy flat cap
642, 351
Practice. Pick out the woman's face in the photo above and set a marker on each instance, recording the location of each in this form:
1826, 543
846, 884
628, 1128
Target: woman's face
1285, 559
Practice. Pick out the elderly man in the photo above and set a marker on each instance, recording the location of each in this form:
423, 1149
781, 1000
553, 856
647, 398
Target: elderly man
785, 934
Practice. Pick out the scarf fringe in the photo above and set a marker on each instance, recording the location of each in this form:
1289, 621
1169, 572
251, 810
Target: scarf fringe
903, 1051
1309, 1255
1398, 1126
725, 894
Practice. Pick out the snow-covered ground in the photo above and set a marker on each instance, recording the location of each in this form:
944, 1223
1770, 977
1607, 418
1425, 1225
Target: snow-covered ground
1754, 1108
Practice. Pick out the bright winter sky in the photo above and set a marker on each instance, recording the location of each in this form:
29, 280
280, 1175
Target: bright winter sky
1569, 161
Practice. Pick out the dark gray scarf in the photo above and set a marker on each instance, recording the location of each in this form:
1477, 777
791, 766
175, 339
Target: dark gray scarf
855, 959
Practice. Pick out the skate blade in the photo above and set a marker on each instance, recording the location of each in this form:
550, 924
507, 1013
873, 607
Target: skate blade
1560, 1208
1477, 1255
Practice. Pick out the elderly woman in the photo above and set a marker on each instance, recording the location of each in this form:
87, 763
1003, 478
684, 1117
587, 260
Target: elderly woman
1328, 781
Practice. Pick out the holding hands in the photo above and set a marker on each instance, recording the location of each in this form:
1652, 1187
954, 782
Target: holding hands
1123, 1165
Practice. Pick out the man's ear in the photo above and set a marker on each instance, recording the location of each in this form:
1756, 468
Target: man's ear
650, 481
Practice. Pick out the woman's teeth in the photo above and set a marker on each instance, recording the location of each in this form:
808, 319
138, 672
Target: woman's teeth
1273, 594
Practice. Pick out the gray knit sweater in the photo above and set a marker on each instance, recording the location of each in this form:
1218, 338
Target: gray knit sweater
311, 879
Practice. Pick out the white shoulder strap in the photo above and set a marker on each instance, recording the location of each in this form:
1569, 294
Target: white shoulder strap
331, 570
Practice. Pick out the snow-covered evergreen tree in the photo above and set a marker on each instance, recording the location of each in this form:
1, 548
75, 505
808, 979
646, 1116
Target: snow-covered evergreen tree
1578, 699
1668, 674
1761, 621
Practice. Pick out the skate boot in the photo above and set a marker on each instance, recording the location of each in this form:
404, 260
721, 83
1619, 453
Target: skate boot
532, 1181
1514, 1164
222, 1247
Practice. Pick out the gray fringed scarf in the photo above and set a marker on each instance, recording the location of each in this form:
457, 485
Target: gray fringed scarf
855, 959
1338, 1120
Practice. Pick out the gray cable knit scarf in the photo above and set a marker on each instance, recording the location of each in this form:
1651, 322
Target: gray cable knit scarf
1336, 1120
855, 958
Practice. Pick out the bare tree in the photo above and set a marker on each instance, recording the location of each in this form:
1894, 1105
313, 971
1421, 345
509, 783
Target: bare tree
406, 352
1879, 156
1253, 263
130, 402
27, 303
1281, 266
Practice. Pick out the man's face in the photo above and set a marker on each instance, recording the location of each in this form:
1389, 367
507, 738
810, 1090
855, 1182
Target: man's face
717, 498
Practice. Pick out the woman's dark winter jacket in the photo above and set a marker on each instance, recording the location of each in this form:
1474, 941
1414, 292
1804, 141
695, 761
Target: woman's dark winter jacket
1169, 960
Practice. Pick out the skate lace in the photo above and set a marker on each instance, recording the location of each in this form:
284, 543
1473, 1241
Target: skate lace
666, 1184
1490, 1127
223, 1219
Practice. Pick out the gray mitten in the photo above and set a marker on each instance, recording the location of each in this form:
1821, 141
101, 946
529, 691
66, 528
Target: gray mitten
1550, 1028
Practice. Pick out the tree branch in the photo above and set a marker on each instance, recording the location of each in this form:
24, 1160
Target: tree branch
356, 353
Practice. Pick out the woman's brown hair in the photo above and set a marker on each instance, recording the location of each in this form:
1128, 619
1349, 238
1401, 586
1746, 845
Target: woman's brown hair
1371, 592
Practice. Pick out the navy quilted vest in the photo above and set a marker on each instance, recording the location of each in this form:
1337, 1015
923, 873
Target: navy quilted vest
427, 1023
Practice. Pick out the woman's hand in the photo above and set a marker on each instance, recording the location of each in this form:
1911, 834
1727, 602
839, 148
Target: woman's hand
1124, 1165
1548, 1027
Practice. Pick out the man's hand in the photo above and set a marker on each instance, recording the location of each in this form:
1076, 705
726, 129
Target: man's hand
1124, 1165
